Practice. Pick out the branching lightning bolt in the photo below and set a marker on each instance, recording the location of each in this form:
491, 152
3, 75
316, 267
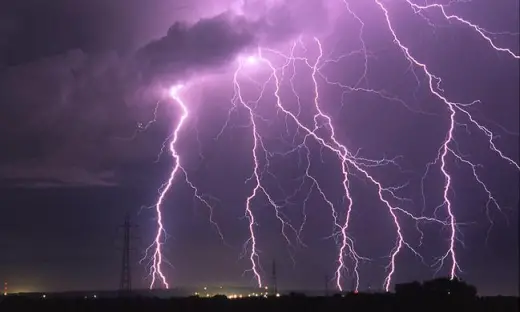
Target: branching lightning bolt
157, 259
434, 86
257, 178
347, 159
350, 162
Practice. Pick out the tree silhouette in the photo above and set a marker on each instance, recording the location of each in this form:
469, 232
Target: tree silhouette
438, 287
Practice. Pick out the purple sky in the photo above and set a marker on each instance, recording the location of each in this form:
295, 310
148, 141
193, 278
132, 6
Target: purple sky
77, 77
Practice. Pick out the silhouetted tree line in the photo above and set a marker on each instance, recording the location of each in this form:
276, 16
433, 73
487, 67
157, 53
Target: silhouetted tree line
439, 295
438, 287
351, 303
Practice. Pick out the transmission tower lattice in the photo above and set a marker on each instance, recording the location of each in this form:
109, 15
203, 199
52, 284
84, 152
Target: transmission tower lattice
275, 282
125, 284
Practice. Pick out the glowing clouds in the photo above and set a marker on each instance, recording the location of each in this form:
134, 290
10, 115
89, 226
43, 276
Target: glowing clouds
248, 60
251, 60
174, 91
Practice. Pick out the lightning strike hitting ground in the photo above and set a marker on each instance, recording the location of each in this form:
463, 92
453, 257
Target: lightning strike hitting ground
346, 158
257, 176
156, 269
157, 259
434, 86
322, 131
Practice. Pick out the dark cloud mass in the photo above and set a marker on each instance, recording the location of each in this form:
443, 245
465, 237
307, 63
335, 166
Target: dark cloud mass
208, 43
81, 96
52, 105
56, 102
214, 41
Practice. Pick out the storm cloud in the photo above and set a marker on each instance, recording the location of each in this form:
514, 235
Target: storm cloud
207, 43
211, 42
70, 115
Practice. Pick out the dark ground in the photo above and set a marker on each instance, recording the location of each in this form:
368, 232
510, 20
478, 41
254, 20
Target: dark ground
358, 302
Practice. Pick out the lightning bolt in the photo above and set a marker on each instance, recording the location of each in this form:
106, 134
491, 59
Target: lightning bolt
484, 34
350, 163
157, 259
257, 176
434, 83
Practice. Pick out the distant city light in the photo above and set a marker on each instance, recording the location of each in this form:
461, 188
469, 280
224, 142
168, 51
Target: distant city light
44, 296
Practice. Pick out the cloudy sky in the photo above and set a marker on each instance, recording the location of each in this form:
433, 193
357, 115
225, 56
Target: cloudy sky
78, 79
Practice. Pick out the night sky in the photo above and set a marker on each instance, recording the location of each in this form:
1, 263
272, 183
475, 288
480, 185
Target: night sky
79, 78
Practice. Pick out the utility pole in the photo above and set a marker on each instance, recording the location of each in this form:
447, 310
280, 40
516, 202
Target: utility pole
125, 283
326, 285
275, 285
